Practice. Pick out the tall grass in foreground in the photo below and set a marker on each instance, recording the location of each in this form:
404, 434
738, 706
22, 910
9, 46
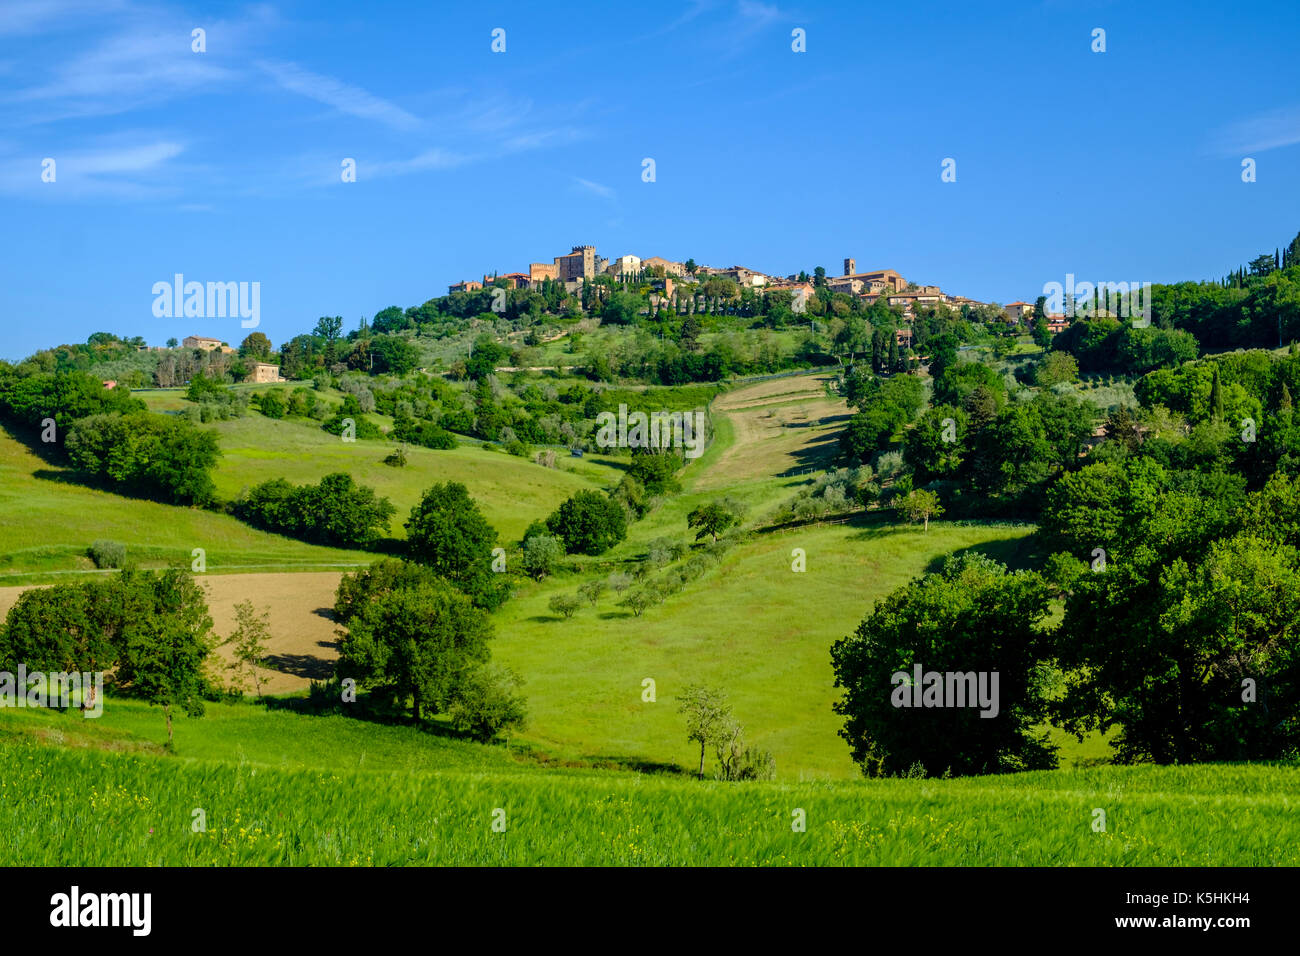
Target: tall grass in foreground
89, 807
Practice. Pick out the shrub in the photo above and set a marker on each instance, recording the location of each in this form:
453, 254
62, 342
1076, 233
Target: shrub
565, 604
890, 464
486, 705
302, 402
364, 427
272, 404
425, 434
661, 551
203, 389
540, 555
337, 511
108, 554
631, 495
638, 600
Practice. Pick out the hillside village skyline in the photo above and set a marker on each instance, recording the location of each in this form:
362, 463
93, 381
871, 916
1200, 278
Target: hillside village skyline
473, 167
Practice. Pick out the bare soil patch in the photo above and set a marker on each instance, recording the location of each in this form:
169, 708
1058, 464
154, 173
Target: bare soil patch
302, 647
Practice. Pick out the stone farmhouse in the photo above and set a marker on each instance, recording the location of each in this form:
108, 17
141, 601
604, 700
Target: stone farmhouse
205, 343
265, 372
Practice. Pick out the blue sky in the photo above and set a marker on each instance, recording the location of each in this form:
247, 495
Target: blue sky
225, 165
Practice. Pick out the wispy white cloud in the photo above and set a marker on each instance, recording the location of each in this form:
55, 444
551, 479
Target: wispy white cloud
129, 160
605, 192
116, 169
343, 97
25, 17
540, 138
758, 14
431, 160
145, 62
1271, 130
140, 57
750, 19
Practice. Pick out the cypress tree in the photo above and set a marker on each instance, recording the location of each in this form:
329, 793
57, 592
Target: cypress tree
1216, 397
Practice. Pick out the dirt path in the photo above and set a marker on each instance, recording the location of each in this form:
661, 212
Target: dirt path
782, 427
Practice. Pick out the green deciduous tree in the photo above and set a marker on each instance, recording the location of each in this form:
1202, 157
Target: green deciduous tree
708, 716
418, 643
162, 652
589, 523
255, 346
920, 505
447, 532
973, 618
937, 445
1056, 368
713, 518
248, 643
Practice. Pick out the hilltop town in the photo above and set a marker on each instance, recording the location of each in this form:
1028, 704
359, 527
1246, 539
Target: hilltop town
582, 263
677, 282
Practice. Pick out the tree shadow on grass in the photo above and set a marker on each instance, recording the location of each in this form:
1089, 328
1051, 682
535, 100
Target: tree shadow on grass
300, 665
370, 709
62, 477
1018, 554
387, 547
881, 523
638, 764
816, 455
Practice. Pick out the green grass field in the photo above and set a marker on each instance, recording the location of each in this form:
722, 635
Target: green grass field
275, 789
48, 522
511, 491
600, 775
751, 625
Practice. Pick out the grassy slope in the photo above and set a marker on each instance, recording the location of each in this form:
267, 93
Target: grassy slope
511, 491
349, 795
751, 625
47, 523
282, 788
